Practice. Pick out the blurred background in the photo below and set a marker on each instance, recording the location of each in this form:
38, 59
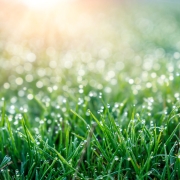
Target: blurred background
59, 50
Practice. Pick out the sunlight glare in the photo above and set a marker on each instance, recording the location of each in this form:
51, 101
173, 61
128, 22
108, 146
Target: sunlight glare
40, 4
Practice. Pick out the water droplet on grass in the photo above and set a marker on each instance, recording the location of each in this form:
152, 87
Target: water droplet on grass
116, 158
41, 122
108, 106
87, 113
143, 121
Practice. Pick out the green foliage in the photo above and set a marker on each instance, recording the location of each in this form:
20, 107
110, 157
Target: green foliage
111, 113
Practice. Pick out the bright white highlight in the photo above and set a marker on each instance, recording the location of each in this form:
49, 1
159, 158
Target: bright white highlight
41, 4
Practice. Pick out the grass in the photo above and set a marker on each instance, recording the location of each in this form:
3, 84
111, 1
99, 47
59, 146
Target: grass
106, 107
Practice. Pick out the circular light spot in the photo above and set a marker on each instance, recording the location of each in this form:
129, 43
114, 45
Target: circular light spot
29, 78
39, 84
148, 85
30, 96
131, 81
31, 57
176, 55
21, 93
19, 81
107, 90
52, 64
55, 87
6, 85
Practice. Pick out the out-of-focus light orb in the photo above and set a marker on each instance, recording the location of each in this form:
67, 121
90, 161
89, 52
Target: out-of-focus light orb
40, 4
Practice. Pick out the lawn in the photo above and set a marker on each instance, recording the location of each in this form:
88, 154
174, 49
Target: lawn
90, 92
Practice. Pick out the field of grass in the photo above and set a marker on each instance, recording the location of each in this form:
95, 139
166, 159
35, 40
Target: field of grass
91, 94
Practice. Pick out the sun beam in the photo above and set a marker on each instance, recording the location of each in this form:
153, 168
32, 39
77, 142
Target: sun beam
41, 4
